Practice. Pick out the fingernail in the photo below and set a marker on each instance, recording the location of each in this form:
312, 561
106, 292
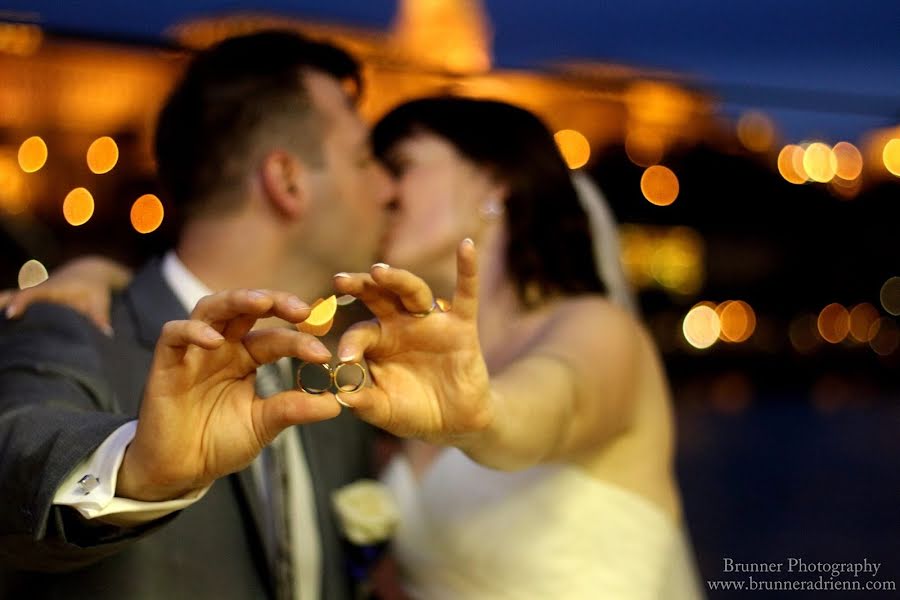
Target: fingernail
342, 402
256, 294
10, 311
346, 356
212, 334
296, 303
342, 274
107, 330
381, 266
318, 347
468, 241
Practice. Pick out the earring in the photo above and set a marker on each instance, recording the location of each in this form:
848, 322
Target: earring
491, 209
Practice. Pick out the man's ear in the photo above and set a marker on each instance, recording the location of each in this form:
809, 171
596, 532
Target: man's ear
283, 178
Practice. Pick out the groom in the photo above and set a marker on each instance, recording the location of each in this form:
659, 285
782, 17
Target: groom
267, 163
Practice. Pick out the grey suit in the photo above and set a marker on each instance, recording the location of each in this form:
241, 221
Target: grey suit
64, 388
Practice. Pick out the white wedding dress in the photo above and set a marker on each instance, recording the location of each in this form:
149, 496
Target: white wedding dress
548, 532
551, 532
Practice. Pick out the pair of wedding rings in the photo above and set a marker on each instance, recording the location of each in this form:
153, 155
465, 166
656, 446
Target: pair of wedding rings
346, 378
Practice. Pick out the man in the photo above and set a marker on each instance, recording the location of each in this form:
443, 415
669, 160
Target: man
265, 160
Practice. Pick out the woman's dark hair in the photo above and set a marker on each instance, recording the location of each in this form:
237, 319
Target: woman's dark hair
550, 251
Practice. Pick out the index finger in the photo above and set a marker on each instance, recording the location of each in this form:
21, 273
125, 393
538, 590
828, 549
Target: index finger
223, 310
465, 298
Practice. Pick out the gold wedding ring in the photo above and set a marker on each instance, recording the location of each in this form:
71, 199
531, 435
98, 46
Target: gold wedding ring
438, 303
347, 378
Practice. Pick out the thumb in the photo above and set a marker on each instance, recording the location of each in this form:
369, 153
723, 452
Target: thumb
293, 407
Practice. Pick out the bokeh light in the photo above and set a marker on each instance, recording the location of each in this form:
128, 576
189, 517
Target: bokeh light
102, 155
789, 159
804, 333
845, 189
886, 338
676, 264
755, 131
738, 321
891, 156
574, 147
890, 296
147, 213
20, 39
644, 147
819, 162
78, 207
32, 154
31, 274
659, 185
849, 161
862, 317
834, 323
13, 191
701, 326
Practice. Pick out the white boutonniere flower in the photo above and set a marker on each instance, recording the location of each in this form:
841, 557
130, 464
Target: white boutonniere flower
367, 512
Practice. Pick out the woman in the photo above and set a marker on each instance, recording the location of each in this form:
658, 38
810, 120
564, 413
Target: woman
561, 481
556, 478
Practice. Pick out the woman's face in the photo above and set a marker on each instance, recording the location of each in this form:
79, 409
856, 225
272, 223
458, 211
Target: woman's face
438, 196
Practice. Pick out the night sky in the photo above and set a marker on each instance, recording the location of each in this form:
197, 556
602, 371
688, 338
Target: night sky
827, 68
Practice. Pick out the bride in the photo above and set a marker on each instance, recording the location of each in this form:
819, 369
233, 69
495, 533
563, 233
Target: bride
549, 473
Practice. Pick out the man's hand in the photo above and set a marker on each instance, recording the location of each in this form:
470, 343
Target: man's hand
200, 418
429, 378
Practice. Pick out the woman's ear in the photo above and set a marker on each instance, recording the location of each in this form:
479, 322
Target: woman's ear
283, 182
494, 204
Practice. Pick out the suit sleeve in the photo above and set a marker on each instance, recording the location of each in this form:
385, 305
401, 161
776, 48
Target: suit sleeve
56, 408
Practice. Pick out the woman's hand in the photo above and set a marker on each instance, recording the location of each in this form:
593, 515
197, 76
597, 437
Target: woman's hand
84, 284
429, 377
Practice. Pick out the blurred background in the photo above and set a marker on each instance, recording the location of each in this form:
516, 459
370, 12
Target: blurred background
750, 149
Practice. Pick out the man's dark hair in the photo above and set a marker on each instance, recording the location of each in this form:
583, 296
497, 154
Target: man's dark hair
233, 96
549, 250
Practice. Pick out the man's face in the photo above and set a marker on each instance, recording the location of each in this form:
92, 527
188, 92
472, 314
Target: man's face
347, 216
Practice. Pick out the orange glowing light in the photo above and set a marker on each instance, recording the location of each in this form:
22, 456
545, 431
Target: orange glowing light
32, 154
659, 185
13, 189
787, 164
78, 207
834, 323
849, 161
701, 326
891, 156
643, 147
738, 320
755, 131
844, 189
574, 147
147, 213
102, 155
819, 162
20, 39
862, 318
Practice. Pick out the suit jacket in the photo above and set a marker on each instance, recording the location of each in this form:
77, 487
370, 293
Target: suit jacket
64, 387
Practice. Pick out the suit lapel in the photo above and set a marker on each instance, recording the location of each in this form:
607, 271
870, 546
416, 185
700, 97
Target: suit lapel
152, 303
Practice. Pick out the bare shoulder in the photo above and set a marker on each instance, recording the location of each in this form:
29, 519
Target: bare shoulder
590, 324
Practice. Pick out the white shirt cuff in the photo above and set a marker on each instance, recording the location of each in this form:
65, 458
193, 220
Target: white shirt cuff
90, 488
